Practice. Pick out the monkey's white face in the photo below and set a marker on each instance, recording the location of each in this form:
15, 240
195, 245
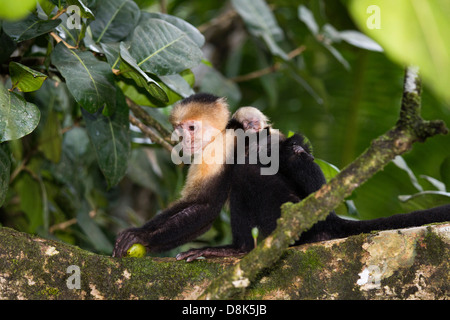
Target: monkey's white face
196, 135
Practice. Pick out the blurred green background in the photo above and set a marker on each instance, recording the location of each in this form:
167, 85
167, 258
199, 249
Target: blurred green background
337, 88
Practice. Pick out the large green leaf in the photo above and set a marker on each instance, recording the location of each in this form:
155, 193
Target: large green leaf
24, 78
29, 28
114, 20
17, 116
90, 81
191, 31
5, 170
31, 201
161, 48
411, 32
261, 22
110, 136
130, 69
50, 139
15, 9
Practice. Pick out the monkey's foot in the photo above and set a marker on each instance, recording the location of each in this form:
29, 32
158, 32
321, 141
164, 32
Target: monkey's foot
210, 253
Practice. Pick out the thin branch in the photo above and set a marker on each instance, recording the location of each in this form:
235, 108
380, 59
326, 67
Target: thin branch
149, 132
409, 129
59, 39
225, 17
268, 70
149, 121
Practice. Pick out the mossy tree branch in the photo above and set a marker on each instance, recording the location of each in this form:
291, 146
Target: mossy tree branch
410, 128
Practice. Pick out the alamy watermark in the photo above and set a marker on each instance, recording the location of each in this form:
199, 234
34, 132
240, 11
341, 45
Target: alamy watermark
74, 280
374, 20
216, 147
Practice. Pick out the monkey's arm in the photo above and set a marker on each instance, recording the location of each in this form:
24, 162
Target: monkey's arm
179, 224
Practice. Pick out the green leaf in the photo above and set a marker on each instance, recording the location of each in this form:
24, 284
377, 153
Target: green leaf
191, 31
114, 20
214, 82
445, 172
261, 22
31, 202
110, 136
305, 15
29, 28
329, 170
161, 48
92, 230
424, 200
17, 116
360, 40
90, 81
130, 69
85, 12
50, 139
400, 162
411, 33
5, 171
24, 78
13, 10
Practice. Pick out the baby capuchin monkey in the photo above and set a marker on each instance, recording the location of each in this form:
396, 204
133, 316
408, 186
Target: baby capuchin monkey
202, 120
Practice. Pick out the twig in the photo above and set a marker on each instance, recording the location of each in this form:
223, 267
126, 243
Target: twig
409, 129
148, 120
271, 69
225, 17
59, 13
58, 40
149, 132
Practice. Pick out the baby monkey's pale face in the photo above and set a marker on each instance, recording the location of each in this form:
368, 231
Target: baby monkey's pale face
251, 118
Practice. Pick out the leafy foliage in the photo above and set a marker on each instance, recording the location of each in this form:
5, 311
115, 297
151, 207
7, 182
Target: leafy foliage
71, 166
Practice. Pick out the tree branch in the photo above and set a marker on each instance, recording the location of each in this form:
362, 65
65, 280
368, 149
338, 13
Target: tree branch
418, 268
148, 120
149, 133
409, 129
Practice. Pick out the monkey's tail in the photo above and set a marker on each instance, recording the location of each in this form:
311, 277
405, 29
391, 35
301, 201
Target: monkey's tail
398, 221
335, 227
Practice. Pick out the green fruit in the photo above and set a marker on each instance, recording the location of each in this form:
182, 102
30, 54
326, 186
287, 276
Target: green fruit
137, 250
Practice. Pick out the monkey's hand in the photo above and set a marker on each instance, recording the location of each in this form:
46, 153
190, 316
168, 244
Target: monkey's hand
125, 240
226, 251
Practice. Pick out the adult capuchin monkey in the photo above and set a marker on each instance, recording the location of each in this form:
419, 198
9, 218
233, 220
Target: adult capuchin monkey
202, 119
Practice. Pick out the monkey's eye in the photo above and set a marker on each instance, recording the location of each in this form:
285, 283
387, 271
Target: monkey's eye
191, 128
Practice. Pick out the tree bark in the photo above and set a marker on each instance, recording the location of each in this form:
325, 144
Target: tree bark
397, 264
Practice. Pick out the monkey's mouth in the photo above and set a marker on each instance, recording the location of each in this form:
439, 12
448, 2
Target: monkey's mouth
298, 150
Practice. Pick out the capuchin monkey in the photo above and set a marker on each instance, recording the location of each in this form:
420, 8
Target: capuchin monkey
201, 120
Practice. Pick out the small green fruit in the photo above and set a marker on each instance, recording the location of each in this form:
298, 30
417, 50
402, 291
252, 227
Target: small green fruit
137, 250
